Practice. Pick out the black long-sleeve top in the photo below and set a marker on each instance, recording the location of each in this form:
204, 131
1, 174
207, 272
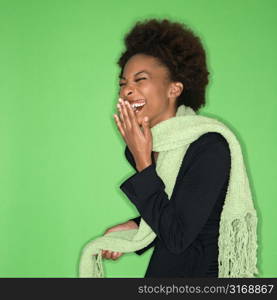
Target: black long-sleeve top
187, 224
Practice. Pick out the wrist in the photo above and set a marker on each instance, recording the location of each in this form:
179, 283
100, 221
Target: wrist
132, 224
142, 166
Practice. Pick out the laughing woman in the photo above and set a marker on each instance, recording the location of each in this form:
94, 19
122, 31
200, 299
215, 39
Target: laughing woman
199, 219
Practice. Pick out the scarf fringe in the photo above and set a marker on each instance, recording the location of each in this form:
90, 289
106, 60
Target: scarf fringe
238, 244
98, 270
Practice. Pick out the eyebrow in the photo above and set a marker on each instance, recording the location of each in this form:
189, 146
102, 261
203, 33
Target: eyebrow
142, 71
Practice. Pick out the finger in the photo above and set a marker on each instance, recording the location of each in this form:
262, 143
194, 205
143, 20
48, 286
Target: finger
114, 255
111, 254
108, 254
117, 255
119, 125
122, 121
125, 110
132, 115
146, 128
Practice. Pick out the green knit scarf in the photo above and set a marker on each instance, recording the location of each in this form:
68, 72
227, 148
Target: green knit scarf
237, 242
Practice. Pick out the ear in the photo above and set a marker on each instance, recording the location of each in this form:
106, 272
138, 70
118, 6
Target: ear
176, 89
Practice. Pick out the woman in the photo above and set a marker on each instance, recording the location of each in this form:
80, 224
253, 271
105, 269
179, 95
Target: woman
163, 67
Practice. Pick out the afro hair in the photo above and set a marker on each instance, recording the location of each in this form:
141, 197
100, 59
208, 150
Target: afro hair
177, 48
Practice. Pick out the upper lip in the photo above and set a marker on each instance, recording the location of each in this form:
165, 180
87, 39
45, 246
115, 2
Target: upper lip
138, 101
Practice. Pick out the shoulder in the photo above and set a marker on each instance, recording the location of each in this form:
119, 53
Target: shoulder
211, 137
209, 148
210, 140
207, 159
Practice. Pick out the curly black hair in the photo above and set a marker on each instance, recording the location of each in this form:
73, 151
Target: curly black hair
177, 48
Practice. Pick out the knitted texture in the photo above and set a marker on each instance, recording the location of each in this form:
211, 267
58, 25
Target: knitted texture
237, 241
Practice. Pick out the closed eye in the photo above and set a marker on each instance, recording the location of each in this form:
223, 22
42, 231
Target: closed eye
135, 80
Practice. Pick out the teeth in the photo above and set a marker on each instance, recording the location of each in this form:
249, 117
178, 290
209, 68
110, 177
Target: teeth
137, 105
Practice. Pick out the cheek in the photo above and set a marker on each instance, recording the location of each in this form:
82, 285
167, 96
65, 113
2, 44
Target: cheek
157, 105
156, 102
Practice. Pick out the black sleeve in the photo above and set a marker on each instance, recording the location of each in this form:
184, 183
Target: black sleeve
178, 221
130, 158
139, 252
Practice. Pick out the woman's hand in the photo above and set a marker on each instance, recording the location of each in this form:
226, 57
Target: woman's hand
123, 226
139, 141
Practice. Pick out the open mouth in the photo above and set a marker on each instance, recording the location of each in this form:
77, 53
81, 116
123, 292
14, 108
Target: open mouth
138, 108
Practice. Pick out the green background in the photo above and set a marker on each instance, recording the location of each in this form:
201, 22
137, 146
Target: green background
61, 155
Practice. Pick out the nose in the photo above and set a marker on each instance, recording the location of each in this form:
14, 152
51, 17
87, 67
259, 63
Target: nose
126, 91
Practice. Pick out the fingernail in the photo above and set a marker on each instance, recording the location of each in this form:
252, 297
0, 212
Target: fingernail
120, 100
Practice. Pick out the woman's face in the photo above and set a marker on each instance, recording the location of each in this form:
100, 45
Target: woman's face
144, 78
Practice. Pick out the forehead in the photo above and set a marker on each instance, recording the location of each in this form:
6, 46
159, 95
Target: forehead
141, 62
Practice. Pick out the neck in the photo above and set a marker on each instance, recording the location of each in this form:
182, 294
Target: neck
169, 114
